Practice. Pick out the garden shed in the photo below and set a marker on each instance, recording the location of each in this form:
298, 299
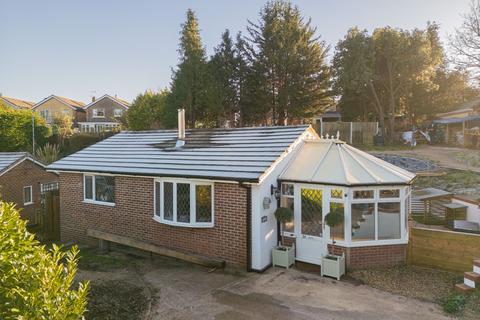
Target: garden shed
373, 195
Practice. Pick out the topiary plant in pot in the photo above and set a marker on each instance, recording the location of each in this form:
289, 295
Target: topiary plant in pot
283, 255
333, 265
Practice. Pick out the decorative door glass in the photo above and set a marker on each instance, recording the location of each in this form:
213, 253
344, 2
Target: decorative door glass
311, 200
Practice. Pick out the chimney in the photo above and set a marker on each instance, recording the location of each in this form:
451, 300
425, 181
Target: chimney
181, 129
93, 98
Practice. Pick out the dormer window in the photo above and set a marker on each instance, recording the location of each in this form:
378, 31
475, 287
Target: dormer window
99, 113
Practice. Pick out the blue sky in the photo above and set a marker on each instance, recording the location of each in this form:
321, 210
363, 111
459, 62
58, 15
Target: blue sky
82, 48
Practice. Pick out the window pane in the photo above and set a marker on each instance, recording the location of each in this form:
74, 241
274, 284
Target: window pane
287, 189
338, 232
288, 203
168, 201
390, 193
183, 202
105, 188
363, 194
336, 193
27, 194
203, 198
311, 212
363, 221
389, 220
157, 198
88, 188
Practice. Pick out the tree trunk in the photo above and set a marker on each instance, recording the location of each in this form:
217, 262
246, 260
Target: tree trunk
379, 108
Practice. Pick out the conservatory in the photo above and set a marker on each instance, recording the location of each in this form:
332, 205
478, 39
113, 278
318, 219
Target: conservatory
372, 195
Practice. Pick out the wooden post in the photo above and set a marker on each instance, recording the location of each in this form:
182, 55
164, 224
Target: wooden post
463, 132
446, 135
102, 246
351, 132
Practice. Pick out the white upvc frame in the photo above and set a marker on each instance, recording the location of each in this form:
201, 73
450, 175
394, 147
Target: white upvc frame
85, 200
115, 115
288, 233
26, 203
347, 200
193, 207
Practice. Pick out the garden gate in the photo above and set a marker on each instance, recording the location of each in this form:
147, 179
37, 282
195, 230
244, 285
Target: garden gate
50, 215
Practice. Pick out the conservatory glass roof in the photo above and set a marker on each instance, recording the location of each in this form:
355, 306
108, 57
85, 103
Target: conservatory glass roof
334, 162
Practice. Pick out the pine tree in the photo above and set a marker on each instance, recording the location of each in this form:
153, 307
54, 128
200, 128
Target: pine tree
190, 82
290, 77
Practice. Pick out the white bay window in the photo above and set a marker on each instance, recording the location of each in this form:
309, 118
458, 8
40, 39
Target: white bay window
184, 203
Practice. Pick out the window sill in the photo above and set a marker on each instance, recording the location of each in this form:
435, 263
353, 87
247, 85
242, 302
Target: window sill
108, 204
183, 224
27, 203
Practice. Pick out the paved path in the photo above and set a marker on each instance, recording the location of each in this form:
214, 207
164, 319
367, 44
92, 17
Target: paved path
194, 293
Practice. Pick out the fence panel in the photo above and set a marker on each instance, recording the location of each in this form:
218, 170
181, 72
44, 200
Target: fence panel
449, 250
356, 133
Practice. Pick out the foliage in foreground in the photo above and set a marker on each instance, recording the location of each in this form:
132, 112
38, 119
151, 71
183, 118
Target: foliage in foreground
35, 283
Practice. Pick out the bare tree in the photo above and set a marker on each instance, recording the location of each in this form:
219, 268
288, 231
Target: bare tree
465, 42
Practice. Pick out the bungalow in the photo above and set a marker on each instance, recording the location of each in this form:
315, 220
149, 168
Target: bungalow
16, 103
22, 179
213, 192
104, 114
55, 106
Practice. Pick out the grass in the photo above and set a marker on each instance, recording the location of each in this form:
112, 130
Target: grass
453, 181
92, 260
424, 284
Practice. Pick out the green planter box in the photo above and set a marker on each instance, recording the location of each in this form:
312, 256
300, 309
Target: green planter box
283, 256
333, 266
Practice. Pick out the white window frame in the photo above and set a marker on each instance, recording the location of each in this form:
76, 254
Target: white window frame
120, 113
193, 206
95, 113
31, 196
104, 203
292, 196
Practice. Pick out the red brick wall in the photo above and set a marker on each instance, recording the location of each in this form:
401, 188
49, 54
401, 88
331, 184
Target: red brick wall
132, 216
25, 174
368, 257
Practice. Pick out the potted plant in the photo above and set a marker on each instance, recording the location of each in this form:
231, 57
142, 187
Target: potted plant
283, 255
333, 265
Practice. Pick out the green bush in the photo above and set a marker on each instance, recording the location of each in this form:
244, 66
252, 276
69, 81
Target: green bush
16, 130
82, 140
36, 283
454, 303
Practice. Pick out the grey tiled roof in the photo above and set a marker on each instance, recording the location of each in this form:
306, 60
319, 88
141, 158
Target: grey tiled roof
241, 154
7, 159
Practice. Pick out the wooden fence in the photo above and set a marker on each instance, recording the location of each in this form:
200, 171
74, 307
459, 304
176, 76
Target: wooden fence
356, 133
448, 250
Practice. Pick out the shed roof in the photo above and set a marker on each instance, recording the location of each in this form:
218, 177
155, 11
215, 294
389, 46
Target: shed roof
242, 154
334, 162
456, 120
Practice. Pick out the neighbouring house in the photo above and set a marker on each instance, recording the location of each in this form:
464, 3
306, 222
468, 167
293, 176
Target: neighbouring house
213, 192
22, 179
104, 114
55, 106
462, 125
16, 103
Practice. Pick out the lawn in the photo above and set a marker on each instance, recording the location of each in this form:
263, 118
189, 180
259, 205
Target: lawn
466, 183
424, 284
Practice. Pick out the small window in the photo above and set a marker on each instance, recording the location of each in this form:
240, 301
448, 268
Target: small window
390, 193
99, 113
338, 232
389, 220
117, 113
336, 193
99, 189
287, 189
363, 221
363, 194
288, 202
27, 195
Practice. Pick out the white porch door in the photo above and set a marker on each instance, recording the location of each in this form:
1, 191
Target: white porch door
310, 243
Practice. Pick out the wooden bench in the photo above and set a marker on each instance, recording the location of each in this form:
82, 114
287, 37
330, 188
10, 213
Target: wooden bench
189, 257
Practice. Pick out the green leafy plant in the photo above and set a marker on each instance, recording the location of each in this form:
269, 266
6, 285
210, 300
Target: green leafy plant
283, 215
454, 303
48, 153
36, 283
334, 219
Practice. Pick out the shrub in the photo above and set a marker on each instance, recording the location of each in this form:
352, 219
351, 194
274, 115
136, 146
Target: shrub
36, 283
454, 303
48, 153
283, 215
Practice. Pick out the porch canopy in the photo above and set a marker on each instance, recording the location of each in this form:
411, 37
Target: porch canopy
333, 162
